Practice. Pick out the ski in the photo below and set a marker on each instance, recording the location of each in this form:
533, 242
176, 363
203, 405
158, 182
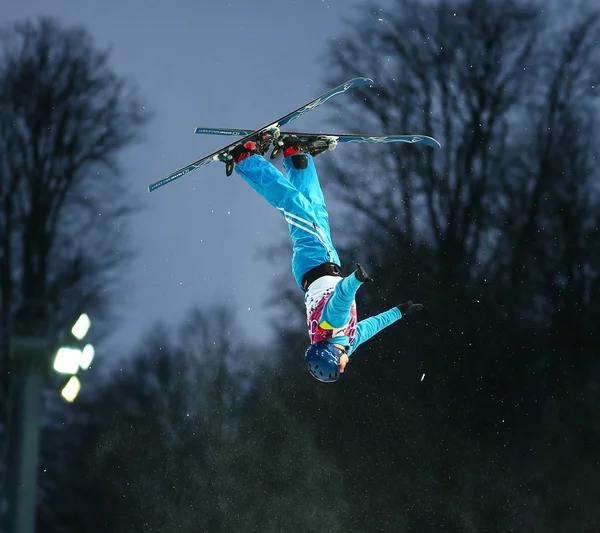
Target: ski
271, 129
332, 137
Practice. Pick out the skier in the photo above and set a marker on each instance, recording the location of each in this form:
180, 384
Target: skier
329, 296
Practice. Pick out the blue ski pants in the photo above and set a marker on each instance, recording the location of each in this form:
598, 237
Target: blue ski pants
300, 200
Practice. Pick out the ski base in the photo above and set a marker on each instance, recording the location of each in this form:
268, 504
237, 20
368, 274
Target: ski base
332, 137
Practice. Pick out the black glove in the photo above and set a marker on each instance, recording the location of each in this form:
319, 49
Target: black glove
408, 307
361, 274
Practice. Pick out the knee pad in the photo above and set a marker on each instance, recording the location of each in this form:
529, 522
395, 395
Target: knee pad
300, 161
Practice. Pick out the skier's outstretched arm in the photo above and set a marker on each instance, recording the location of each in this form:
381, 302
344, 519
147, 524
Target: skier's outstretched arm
371, 326
337, 310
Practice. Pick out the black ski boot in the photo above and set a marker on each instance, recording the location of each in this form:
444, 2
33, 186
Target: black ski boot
292, 145
238, 153
242, 151
265, 139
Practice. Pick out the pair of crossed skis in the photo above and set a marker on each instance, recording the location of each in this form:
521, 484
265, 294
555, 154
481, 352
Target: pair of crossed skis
274, 129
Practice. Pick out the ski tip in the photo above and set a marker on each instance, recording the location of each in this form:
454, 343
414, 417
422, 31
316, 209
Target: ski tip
424, 139
435, 144
353, 82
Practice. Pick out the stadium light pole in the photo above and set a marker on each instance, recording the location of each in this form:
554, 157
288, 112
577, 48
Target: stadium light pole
31, 341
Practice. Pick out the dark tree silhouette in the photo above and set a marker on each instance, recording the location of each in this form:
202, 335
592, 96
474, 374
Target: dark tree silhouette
65, 116
187, 436
497, 234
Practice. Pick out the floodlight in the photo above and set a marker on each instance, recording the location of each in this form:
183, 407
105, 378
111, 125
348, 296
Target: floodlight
71, 389
87, 355
81, 327
67, 360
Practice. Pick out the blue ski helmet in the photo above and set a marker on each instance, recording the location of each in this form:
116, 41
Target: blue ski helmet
323, 361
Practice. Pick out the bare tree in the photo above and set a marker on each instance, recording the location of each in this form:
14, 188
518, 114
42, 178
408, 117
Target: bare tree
548, 240
458, 71
66, 116
511, 92
497, 232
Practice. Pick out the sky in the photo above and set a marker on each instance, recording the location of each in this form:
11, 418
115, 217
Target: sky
204, 239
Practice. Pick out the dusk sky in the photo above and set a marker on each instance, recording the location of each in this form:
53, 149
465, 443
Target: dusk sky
202, 239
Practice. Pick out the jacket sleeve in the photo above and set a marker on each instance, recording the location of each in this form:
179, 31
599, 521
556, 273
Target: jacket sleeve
369, 327
337, 310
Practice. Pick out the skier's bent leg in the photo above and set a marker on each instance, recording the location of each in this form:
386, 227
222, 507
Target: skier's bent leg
337, 309
306, 180
312, 245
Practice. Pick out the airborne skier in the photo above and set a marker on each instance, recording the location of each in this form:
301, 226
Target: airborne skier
333, 328
329, 295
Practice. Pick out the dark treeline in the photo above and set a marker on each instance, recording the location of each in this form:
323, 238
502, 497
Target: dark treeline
479, 416
65, 117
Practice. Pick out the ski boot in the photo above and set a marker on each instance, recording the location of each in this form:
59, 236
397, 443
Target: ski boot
290, 145
266, 138
239, 152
